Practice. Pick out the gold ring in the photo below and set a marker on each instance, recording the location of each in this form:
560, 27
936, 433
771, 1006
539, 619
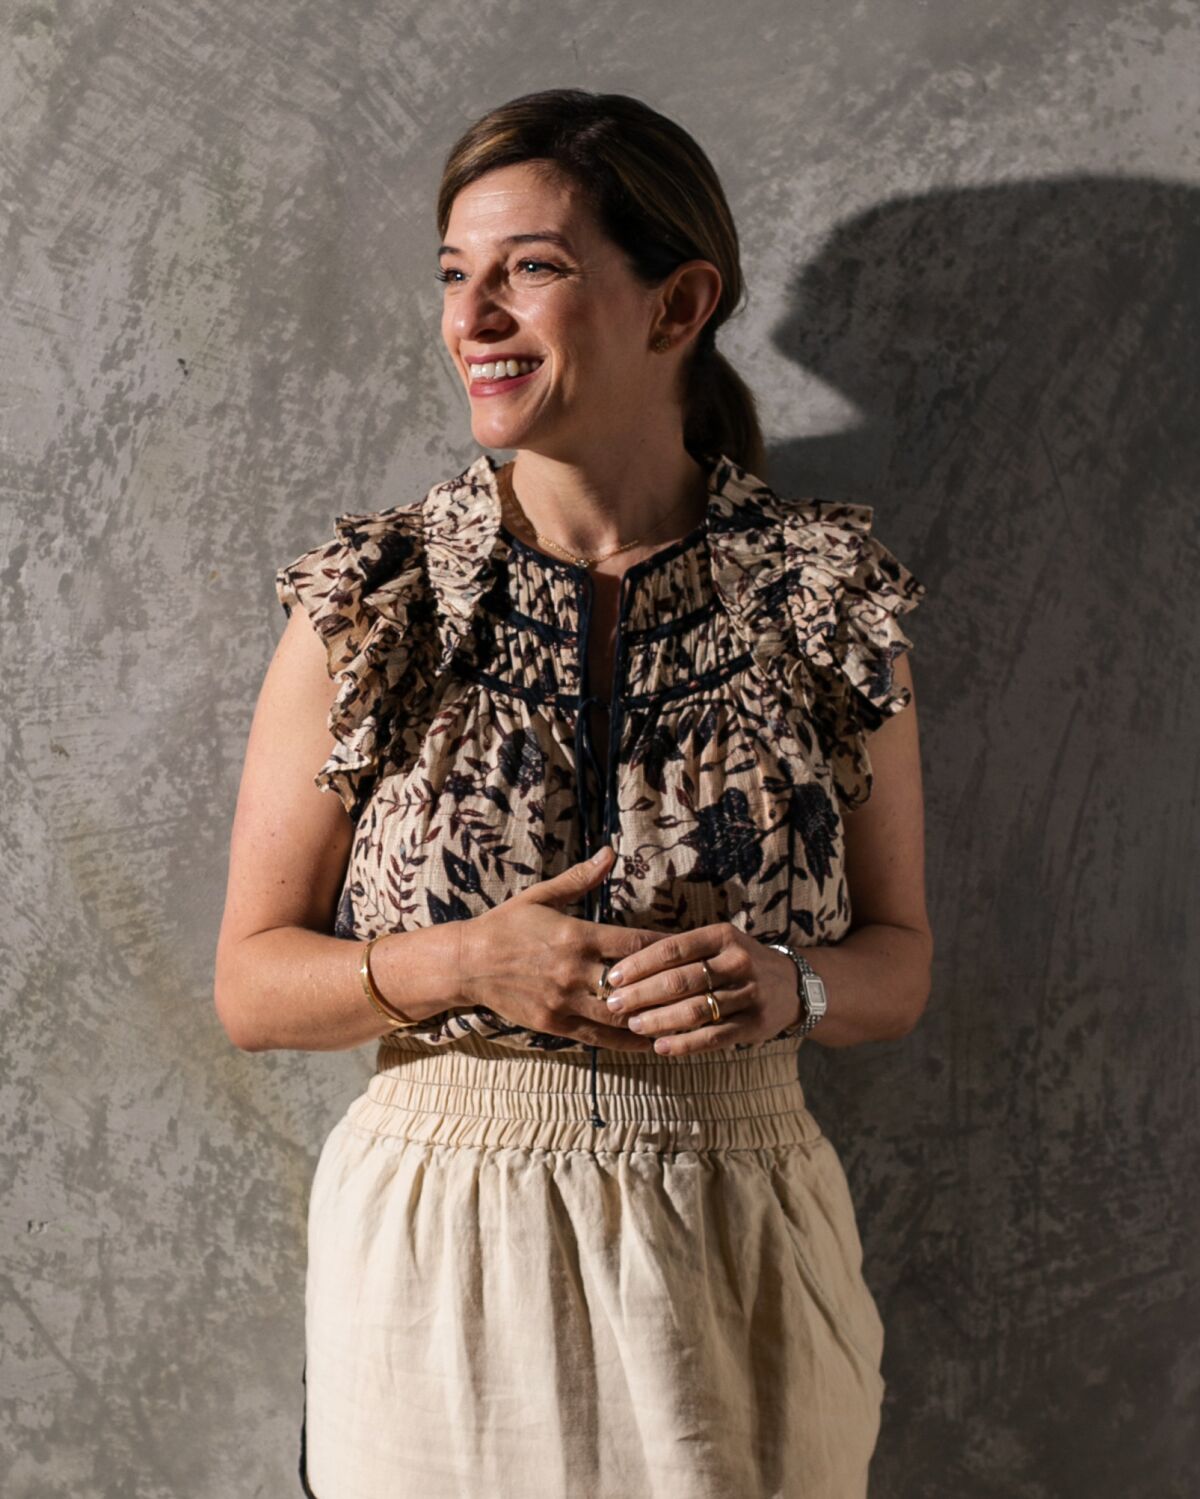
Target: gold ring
604, 989
713, 1007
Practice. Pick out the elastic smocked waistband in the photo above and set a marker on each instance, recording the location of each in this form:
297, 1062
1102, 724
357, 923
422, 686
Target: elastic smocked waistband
475, 1092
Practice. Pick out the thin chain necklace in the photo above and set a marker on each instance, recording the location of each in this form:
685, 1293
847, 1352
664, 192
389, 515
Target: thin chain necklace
577, 558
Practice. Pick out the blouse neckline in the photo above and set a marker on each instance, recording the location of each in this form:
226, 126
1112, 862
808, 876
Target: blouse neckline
664, 555
646, 565
755, 545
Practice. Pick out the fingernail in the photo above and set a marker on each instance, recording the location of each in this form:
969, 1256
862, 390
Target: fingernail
598, 858
635, 1022
613, 1002
614, 976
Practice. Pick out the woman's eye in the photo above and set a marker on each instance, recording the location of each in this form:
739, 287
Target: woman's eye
539, 265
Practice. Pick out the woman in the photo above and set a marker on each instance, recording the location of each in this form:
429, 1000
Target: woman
595, 721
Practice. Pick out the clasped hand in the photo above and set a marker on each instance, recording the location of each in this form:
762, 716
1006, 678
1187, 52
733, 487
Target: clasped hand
539, 968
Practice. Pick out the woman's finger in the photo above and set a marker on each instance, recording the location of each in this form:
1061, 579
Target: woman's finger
659, 1019
569, 884
604, 946
669, 950
610, 1037
727, 972
719, 1037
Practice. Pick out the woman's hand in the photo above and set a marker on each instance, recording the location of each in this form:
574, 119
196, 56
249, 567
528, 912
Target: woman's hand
661, 990
536, 967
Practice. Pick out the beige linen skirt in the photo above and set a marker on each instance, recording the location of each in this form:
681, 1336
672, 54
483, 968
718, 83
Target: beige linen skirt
507, 1301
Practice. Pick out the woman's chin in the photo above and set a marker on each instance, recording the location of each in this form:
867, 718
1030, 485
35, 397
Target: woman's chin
500, 432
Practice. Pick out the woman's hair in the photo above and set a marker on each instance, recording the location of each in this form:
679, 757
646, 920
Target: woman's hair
655, 194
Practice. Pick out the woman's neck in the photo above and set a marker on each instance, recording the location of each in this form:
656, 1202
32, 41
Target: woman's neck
586, 518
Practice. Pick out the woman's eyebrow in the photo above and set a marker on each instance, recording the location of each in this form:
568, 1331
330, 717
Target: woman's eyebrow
547, 236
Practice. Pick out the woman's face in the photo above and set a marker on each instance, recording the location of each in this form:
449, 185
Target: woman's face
573, 304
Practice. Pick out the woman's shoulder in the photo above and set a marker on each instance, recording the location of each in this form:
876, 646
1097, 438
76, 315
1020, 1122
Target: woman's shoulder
818, 598
370, 566
846, 592
391, 594
421, 559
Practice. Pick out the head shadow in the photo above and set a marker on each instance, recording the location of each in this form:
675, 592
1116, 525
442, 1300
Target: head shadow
1023, 358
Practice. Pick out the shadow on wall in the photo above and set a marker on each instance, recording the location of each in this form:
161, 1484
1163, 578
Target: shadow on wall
1025, 359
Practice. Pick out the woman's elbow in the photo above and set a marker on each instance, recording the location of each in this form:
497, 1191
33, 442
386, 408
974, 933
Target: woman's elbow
231, 1009
921, 986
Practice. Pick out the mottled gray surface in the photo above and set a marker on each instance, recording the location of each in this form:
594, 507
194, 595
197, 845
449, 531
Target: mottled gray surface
972, 238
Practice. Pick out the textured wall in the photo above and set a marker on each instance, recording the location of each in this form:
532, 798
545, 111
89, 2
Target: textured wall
972, 238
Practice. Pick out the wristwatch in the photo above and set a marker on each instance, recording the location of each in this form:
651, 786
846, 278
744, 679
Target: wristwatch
813, 1000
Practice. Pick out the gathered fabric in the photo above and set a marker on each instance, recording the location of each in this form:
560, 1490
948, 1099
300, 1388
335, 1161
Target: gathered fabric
502, 1299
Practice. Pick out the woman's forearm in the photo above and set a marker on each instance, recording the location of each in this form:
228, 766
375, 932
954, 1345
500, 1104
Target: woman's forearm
290, 988
877, 981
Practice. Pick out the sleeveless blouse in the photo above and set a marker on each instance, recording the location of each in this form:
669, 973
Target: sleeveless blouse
753, 658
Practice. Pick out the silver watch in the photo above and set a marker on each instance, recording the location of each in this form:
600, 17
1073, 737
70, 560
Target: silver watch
813, 1000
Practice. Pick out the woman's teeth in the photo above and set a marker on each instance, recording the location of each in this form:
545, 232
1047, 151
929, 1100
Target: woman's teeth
501, 369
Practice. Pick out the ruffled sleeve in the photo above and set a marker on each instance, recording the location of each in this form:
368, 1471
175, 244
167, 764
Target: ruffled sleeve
367, 594
845, 593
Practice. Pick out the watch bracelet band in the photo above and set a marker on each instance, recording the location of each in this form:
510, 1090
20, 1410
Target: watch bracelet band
803, 969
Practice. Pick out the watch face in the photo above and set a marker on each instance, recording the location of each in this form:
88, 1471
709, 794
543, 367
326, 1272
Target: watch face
814, 994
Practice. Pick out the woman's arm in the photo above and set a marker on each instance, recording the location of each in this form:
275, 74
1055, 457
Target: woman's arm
281, 981
878, 976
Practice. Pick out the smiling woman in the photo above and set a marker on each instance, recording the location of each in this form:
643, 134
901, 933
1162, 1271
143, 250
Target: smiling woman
607, 845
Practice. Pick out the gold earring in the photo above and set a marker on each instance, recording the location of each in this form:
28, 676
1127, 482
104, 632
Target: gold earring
661, 344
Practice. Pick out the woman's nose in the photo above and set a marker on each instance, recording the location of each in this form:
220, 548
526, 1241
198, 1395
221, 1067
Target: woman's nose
479, 310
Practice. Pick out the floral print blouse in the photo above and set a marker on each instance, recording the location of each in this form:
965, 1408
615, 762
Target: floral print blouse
753, 658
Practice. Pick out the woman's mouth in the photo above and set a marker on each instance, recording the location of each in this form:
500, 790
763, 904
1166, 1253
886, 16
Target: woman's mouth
497, 376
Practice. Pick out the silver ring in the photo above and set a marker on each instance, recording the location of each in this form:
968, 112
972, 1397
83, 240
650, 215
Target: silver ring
605, 988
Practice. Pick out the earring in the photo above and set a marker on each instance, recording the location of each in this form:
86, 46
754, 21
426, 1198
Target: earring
661, 344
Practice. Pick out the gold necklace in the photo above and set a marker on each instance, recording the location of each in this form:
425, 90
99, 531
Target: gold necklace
578, 559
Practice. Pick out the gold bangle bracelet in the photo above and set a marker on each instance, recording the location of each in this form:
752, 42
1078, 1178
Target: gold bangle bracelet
398, 1021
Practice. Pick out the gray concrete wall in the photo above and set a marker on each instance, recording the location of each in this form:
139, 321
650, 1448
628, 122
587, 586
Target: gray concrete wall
972, 239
